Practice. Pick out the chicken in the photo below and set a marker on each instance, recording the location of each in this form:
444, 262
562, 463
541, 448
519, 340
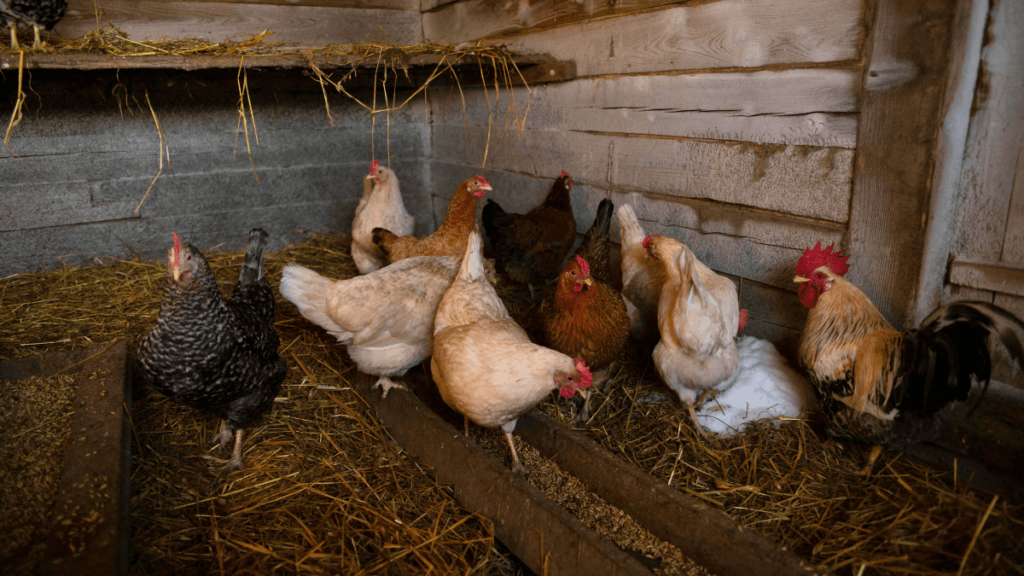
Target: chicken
215, 356
484, 365
881, 386
581, 314
450, 238
381, 206
642, 279
385, 318
36, 13
698, 317
530, 247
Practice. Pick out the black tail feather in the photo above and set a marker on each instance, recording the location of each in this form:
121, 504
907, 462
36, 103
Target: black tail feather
493, 217
252, 263
379, 235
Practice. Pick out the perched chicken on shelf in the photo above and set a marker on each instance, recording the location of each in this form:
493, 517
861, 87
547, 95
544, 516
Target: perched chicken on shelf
530, 247
215, 356
450, 238
381, 206
881, 386
698, 317
642, 279
581, 314
385, 318
35, 13
484, 364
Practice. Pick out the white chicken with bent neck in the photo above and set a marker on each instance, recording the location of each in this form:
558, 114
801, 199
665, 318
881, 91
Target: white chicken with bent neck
380, 207
484, 364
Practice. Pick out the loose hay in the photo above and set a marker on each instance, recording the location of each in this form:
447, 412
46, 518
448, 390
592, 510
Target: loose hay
326, 490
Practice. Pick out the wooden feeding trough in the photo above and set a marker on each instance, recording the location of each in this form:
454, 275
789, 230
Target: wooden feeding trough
88, 526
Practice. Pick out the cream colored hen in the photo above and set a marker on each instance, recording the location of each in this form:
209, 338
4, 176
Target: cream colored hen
642, 279
380, 207
385, 318
484, 364
698, 317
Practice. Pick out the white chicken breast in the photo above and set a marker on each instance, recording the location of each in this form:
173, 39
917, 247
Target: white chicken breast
380, 207
385, 318
484, 364
698, 317
642, 278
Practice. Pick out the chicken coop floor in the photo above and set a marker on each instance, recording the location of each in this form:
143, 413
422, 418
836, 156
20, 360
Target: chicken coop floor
326, 490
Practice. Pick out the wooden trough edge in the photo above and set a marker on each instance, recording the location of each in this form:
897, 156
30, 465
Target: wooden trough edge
706, 535
538, 531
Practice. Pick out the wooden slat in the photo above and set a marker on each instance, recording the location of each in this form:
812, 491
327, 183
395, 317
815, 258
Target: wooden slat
363, 4
1003, 278
723, 34
909, 43
809, 107
305, 25
1013, 243
994, 139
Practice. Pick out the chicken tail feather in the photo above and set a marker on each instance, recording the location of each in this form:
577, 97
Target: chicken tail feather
494, 218
308, 291
629, 225
472, 267
252, 264
382, 238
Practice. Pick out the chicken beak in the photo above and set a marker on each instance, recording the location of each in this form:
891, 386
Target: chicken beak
588, 281
801, 279
582, 392
176, 272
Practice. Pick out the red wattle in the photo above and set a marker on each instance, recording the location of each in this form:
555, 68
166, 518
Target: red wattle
808, 295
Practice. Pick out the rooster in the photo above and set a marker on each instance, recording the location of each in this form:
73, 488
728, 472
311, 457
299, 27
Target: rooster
530, 247
36, 13
450, 238
698, 317
380, 206
880, 386
385, 318
642, 279
484, 364
215, 356
581, 314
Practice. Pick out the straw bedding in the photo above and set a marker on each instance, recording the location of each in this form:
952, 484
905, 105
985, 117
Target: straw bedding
326, 490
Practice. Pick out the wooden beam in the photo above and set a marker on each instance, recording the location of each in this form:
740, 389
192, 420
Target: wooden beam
907, 51
711, 35
1005, 278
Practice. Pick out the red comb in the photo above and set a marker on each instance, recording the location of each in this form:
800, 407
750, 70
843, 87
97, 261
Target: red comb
564, 173
586, 378
374, 165
483, 180
648, 239
816, 257
584, 267
743, 318
177, 249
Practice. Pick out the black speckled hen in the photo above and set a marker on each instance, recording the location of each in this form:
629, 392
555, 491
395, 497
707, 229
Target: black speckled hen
215, 356
35, 13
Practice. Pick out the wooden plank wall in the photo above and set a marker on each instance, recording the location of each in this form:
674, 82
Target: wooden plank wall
302, 22
86, 156
988, 248
729, 125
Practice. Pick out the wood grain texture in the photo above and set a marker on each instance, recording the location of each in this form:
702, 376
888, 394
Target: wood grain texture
812, 182
87, 5
908, 55
1013, 243
809, 107
1001, 278
723, 34
216, 21
994, 139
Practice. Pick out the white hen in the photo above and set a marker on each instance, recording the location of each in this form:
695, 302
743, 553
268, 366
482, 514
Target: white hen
380, 207
642, 278
385, 318
698, 317
484, 364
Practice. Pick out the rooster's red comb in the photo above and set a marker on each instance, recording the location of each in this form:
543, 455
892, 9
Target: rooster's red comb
584, 266
648, 239
483, 180
564, 173
586, 378
743, 318
177, 249
817, 257
374, 165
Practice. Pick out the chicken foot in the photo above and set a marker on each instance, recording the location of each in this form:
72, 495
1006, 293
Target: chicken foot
517, 466
235, 462
387, 384
872, 458
696, 423
223, 436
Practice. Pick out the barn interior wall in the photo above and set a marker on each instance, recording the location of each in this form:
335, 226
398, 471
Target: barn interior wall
87, 150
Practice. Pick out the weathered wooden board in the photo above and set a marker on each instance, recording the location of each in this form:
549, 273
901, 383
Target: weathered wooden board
216, 21
538, 531
806, 181
1004, 278
722, 34
994, 139
812, 107
904, 84
1013, 243
365, 4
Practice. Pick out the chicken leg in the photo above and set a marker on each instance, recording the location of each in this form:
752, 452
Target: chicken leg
223, 436
37, 42
517, 466
14, 36
387, 384
696, 423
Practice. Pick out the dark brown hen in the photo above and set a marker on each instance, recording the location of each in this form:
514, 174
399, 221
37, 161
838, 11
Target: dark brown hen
215, 356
